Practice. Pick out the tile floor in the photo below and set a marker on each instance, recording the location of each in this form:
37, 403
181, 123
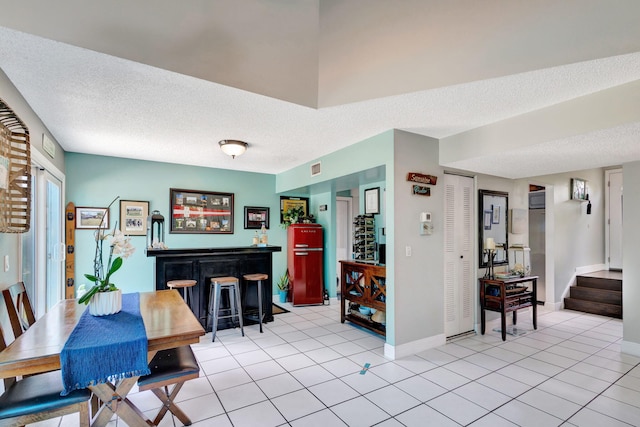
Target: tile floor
305, 370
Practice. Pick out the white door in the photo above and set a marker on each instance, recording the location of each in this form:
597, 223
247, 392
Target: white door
344, 218
458, 254
613, 218
43, 247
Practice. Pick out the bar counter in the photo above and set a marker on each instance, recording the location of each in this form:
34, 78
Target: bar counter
201, 264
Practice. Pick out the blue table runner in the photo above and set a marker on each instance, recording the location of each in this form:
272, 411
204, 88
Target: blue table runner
106, 348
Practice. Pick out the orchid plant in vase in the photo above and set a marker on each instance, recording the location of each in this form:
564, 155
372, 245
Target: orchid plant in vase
120, 247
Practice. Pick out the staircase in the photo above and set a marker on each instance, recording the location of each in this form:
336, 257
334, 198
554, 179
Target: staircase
599, 292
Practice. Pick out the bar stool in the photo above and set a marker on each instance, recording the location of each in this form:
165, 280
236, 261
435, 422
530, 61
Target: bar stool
231, 284
258, 278
184, 284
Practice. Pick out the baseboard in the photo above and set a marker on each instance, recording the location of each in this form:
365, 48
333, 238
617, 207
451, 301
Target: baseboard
403, 350
590, 268
632, 348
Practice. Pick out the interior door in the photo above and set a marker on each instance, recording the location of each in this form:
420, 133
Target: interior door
458, 254
614, 219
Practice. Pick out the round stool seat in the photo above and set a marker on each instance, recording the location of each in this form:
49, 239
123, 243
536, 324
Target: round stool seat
256, 276
180, 283
225, 279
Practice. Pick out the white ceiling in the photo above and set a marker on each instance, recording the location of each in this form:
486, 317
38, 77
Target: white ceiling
261, 75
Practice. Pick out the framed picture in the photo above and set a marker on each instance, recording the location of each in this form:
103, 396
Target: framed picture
578, 189
92, 218
487, 219
372, 200
287, 203
495, 218
200, 212
133, 217
255, 216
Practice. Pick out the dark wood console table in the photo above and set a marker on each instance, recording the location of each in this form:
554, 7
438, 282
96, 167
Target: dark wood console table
201, 264
507, 295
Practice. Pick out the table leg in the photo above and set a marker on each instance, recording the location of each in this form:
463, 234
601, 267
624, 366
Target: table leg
115, 402
503, 324
515, 317
483, 318
535, 315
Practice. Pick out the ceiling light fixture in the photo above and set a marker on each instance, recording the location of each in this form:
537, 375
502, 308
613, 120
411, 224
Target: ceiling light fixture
233, 148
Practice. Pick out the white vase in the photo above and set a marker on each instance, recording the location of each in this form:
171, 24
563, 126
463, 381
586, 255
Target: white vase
104, 303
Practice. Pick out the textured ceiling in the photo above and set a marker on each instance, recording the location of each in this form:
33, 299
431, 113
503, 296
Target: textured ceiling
155, 105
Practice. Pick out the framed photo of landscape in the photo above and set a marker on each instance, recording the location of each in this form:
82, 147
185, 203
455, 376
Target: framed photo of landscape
92, 218
200, 212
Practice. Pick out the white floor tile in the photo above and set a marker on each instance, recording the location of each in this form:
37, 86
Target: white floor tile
589, 418
567, 391
421, 388
295, 362
391, 372
482, 395
359, 412
457, 408
228, 379
616, 409
392, 400
324, 418
524, 415
341, 367
333, 392
549, 403
364, 383
263, 414
445, 378
467, 369
240, 396
262, 370
492, 420
417, 417
297, 404
278, 385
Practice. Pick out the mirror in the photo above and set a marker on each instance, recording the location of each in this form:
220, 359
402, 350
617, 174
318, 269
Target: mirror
494, 206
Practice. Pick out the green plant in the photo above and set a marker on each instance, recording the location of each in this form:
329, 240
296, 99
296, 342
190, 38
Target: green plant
283, 281
292, 216
119, 245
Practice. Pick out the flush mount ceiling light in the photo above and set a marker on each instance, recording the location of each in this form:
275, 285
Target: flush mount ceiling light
233, 148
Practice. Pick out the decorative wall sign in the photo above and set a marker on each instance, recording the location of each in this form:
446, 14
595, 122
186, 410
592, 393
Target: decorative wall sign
422, 178
421, 190
201, 212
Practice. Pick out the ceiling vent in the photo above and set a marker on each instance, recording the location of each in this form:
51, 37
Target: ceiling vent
315, 169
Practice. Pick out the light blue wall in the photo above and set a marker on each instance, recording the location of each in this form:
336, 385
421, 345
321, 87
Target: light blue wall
96, 180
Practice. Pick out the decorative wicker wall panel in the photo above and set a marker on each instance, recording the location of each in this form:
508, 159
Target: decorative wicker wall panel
15, 177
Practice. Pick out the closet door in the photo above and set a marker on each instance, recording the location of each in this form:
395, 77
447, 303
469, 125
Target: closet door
458, 254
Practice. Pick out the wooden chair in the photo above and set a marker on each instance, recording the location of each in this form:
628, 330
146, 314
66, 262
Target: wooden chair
19, 308
37, 397
170, 367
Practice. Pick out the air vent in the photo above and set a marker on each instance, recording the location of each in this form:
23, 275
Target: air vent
315, 169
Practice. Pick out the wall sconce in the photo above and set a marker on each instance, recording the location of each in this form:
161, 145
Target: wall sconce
232, 147
588, 205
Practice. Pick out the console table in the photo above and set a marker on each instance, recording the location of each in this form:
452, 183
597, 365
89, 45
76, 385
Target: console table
201, 264
507, 295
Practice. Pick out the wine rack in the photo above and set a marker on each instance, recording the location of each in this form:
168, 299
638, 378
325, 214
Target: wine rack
364, 238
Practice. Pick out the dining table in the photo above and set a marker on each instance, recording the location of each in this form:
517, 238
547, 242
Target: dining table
168, 323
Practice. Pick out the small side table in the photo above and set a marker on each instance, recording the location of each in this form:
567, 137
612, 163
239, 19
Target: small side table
504, 296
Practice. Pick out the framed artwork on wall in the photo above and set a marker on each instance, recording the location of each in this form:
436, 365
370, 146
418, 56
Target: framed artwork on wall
287, 203
578, 189
200, 212
255, 216
372, 200
92, 218
133, 217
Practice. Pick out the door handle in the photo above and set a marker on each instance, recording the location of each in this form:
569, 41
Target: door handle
302, 253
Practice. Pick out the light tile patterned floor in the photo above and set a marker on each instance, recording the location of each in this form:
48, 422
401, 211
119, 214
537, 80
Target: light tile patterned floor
304, 370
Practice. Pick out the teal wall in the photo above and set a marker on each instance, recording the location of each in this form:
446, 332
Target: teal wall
96, 180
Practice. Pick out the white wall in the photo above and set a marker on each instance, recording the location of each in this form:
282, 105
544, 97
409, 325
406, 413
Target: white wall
630, 264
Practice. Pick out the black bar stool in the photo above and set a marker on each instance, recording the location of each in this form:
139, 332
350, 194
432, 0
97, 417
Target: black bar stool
232, 285
258, 278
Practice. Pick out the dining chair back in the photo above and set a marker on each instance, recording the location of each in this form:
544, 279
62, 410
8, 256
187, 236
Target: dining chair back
37, 397
174, 367
19, 308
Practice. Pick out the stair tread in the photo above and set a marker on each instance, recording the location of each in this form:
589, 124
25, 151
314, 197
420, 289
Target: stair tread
600, 308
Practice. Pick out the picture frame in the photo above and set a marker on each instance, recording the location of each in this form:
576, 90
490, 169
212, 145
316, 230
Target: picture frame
200, 212
133, 217
578, 189
495, 217
90, 218
488, 215
287, 202
255, 216
372, 200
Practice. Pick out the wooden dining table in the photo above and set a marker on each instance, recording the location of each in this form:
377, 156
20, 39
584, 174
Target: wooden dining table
168, 322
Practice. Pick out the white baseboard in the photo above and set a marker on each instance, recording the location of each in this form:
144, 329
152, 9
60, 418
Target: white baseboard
403, 350
590, 268
632, 348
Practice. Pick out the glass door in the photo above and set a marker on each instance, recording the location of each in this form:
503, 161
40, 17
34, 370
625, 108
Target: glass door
43, 246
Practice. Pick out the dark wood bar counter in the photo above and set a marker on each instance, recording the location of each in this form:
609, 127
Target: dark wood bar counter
201, 264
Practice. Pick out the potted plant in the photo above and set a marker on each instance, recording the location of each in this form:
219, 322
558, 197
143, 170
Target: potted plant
283, 286
292, 215
104, 297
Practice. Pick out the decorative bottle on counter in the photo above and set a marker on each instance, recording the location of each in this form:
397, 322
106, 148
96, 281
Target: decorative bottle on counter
263, 235
256, 239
